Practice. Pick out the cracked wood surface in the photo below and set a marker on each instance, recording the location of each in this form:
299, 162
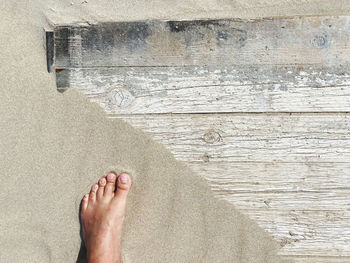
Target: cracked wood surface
288, 172
140, 90
257, 107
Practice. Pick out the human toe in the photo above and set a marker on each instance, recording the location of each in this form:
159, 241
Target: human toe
110, 185
101, 186
123, 185
93, 191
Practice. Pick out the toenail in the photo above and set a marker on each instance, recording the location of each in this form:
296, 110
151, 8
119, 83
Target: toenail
123, 178
94, 188
110, 176
102, 181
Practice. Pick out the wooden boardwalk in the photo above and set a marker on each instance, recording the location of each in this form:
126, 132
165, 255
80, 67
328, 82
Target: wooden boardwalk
257, 107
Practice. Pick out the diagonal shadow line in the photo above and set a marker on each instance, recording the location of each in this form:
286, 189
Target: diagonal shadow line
82, 251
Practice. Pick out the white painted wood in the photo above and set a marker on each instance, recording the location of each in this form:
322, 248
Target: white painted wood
250, 137
202, 90
306, 233
302, 200
302, 259
246, 177
289, 172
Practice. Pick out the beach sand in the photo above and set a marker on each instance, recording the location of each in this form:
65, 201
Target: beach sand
55, 146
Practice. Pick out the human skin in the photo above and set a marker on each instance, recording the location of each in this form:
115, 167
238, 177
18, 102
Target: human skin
102, 215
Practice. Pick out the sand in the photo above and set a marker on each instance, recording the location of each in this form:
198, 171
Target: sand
54, 146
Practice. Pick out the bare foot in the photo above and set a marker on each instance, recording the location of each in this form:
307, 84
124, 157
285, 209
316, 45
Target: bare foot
102, 215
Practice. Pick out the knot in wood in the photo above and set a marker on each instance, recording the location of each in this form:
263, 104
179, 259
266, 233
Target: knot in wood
121, 97
212, 137
206, 157
321, 41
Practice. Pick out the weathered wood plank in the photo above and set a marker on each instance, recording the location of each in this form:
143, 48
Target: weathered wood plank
302, 200
308, 259
288, 172
205, 90
310, 220
244, 177
321, 41
307, 233
230, 138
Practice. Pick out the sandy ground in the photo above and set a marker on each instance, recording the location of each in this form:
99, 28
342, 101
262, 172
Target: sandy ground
54, 146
